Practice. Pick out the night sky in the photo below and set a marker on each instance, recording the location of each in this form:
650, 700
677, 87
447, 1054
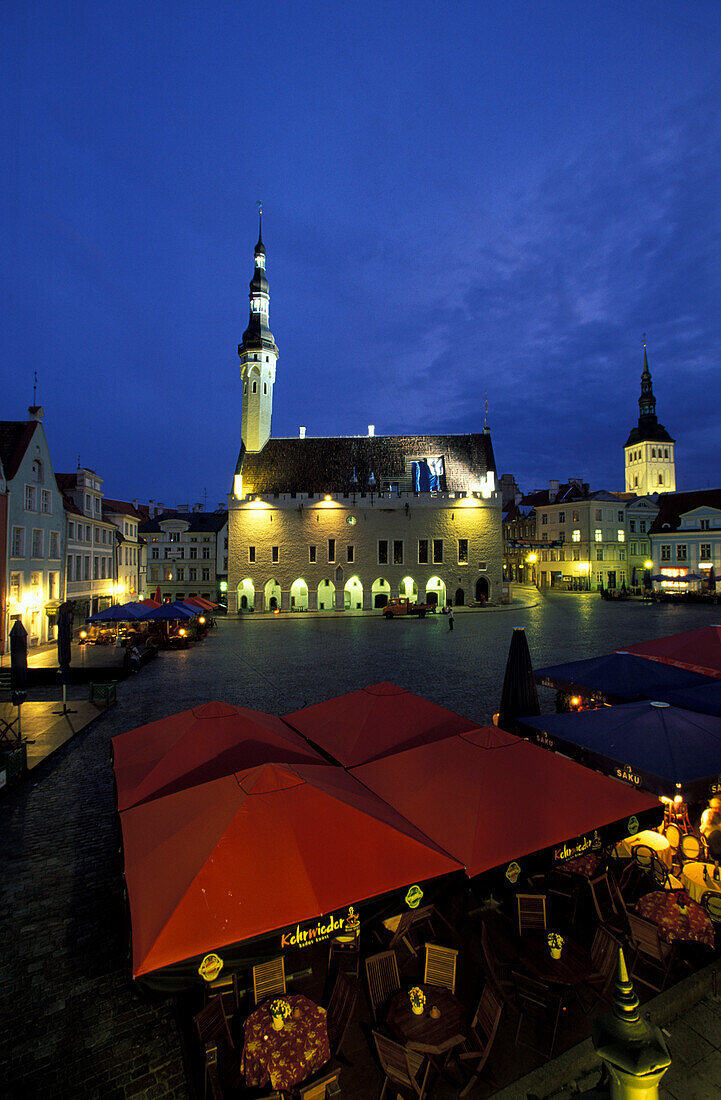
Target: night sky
459, 199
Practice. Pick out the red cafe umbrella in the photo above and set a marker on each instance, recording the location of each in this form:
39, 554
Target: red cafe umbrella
156, 595
374, 721
198, 745
488, 797
200, 601
698, 650
255, 852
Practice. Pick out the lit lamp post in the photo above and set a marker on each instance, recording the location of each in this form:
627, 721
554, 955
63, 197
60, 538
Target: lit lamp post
648, 566
531, 560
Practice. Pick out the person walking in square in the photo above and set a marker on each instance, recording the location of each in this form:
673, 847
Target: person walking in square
450, 618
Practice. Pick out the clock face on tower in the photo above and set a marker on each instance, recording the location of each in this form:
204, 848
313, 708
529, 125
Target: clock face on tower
350, 520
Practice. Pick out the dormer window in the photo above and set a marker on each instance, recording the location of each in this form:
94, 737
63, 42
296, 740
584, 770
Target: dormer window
38, 471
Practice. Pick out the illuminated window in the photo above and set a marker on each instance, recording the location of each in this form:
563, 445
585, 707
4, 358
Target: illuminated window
621, 535
576, 536
576, 515
598, 535
599, 514
174, 536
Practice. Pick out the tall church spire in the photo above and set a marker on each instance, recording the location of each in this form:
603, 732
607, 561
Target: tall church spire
258, 357
649, 450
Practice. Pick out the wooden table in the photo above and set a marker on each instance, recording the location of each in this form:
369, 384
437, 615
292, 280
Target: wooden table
661, 907
694, 882
285, 1058
423, 1033
573, 967
653, 840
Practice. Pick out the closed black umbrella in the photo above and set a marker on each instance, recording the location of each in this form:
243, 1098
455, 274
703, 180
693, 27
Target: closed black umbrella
65, 637
18, 667
633, 578
519, 696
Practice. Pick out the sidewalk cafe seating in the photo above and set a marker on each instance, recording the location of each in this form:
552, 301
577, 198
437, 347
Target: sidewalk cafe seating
604, 959
227, 989
383, 979
440, 967
673, 836
342, 1005
539, 1014
605, 903
531, 912
662, 877
651, 953
474, 1052
322, 1088
692, 849
408, 930
405, 1069
221, 1061
563, 891
498, 970
269, 979
638, 874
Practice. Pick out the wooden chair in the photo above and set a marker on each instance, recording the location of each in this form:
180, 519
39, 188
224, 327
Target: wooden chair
711, 901
405, 1069
662, 877
342, 1005
227, 988
603, 899
638, 871
673, 836
222, 1067
409, 930
563, 891
691, 849
531, 913
269, 979
621, 926
540, 1010
604, 959
656, 956
383, 979
473, 1053
321, 1088
440, 968
498, 971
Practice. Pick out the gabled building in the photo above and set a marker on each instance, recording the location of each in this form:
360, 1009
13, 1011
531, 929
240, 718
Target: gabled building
35, 529
337, 523
126, 518
184, 552
686, 540
91, 559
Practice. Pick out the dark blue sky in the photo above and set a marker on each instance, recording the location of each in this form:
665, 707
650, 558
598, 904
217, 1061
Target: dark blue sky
459, 199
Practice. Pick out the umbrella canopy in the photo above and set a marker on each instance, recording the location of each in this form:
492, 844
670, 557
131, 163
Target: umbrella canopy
618, 678
150, 603
255, 852
488, 797
156, 595
198, 745
374, 721
706, 698
655, 746
519, 695
699, 650
119, 613
18, 657
65, 636
172, 611
200, 601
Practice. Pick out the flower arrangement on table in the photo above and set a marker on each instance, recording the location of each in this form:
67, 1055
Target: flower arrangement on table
279, 1012
682, 900
555, 943
418, 1000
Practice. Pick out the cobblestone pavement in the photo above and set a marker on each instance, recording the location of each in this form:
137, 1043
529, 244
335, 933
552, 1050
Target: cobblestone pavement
71, 1025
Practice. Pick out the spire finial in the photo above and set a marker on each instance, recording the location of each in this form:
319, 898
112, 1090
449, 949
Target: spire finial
35, 387
643, 338
485, 418
259, 204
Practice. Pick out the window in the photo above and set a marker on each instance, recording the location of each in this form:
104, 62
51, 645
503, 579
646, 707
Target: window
206, 574
598, 535
632, 526
622, 555
544, 536
544, 517
438, 551
167, 553
576, 554
96, 567
423, 551
71, 530
194, 553
665, 452
46, 502
620, 515
561, 517
87, 503
544, 555
633, 549
37, 550
398, 551
102, 567
350, 553
192, 574
382, 551
251, 554
88, 533
167, 574
97, 506
255, 387
653, 452
86, 567
274, 557
180, 574
331, 549
704, 524
38, 471
206, 553
35, 584
576, 536
681, 552
31, 498
54, 551
69, 567
15, 587
17, 545
665, 552
155, 553
78, 566
173, 536
660, 479
576, 515
599, 514
704, 551
642, 527
599, 553
463, 551
635, 482
621, 535
312, 554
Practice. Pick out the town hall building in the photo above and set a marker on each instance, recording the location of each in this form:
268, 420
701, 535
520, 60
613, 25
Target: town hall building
345, 522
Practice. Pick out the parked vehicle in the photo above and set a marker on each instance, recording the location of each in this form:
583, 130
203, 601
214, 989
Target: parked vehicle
401, 605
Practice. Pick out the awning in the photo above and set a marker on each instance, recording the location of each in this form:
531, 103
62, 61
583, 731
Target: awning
490, 798
618, 678
199, 745
654, 746
374, 721
698, 650
266, 849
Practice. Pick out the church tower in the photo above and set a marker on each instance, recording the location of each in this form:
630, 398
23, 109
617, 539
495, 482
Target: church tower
650, 463
258, 357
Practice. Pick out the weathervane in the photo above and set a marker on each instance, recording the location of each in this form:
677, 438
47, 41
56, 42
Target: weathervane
485, 418
644, 339
35, 386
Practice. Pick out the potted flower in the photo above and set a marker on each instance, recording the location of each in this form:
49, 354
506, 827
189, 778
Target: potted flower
555, 942
279, 1012
683, 901
417, 999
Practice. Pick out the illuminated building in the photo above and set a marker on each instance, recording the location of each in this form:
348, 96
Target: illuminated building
345, 522
187, 553
649, 450
686, 541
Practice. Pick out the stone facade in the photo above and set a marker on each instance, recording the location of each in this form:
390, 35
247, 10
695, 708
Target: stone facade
297, 552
